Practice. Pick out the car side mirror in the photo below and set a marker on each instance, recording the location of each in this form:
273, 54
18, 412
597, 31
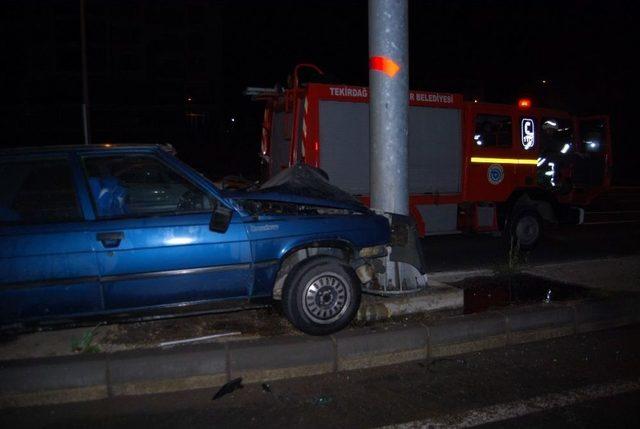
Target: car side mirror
220, 219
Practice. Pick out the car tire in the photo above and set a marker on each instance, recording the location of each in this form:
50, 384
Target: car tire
321, 295
525, 227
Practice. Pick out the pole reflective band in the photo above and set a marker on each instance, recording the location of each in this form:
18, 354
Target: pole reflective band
385, 65
480, 160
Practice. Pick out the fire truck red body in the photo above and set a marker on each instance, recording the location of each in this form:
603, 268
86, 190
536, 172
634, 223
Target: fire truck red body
472, 165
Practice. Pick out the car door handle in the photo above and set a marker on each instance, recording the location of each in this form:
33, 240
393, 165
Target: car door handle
110, 239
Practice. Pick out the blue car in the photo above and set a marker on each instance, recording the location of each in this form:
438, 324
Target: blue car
93, 232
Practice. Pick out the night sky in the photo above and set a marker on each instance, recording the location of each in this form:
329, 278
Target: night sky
150, 61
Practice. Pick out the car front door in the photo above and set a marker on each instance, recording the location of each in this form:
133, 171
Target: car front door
47, 264
155, 248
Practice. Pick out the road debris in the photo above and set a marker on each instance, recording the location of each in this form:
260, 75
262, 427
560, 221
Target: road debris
322, 400
198, 339
434, 364
229, 387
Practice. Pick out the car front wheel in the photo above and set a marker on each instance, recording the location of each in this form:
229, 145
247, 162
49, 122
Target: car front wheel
321, 295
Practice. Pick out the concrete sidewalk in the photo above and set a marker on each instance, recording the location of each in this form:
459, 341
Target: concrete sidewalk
616, 274
622, 273
613, 273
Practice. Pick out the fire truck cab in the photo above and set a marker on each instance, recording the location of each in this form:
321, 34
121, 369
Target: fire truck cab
473, 166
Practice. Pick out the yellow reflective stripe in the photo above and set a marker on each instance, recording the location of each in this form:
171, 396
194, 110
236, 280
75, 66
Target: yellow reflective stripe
480, 160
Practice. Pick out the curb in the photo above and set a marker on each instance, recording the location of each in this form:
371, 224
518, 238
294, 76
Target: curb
439, 297
81, 378
367, 348
278, 358
157, 371
468, 333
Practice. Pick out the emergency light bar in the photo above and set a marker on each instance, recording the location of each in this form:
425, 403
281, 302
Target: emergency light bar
524, 103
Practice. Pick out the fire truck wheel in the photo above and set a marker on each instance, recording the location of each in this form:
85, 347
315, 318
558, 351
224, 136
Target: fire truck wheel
321, 295
525, 226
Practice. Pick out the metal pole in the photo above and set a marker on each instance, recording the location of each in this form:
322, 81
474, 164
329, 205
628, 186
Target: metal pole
85, 83
389, 104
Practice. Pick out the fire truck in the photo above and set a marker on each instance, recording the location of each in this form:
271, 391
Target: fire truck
473, 166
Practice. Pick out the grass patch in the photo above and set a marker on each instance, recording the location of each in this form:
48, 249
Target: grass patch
85, 344
516, 258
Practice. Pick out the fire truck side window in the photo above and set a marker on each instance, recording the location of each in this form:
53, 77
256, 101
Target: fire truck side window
556, 136
493, 131
593, 135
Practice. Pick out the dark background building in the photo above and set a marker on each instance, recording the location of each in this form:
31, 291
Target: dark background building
153, 70
174, 71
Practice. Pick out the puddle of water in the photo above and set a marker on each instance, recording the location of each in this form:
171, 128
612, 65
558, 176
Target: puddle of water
484, 293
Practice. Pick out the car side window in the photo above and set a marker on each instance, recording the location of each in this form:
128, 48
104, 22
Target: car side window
33, 192
492, 131
139, 185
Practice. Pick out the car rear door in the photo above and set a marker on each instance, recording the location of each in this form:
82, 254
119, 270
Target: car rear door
47, 265
154, 247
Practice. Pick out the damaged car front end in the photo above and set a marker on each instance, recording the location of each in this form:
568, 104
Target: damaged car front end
387, 259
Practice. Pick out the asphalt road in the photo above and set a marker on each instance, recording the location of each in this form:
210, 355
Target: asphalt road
619, 411
612, 229
566, 243
588, 380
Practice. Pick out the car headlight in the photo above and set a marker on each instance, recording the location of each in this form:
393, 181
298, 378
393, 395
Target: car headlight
373, 252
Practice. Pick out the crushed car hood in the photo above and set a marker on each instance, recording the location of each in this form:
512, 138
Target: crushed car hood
301, 184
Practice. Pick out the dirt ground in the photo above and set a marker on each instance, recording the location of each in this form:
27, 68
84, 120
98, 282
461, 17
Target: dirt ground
109, 338
249, 324
258, 323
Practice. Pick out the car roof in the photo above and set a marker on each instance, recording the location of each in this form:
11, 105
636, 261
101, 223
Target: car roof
84, 148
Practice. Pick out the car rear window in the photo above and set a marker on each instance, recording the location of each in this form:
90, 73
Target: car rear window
37, 192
